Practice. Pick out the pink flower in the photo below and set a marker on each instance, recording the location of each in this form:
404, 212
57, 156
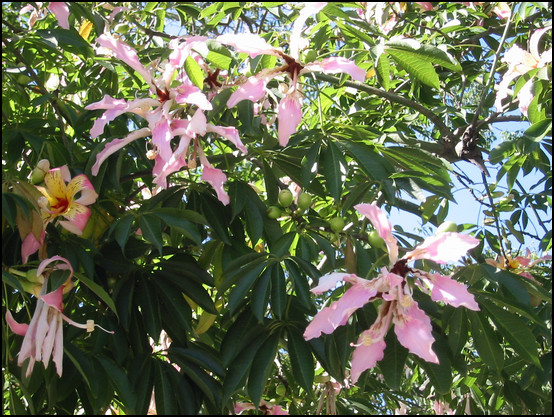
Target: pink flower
411, 325
164, 115
31, 244
519, 63
43, 336
59, 200
290, 108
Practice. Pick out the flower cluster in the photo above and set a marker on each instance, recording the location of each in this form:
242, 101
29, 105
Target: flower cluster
165, 115
412, 326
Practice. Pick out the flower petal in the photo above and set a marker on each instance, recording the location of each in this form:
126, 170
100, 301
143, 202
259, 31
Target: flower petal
82, 183
443, 248
289, 115
308, 9
253, 89
338, 64
42, 266
30, 245
379, 220
444, 288
55, 184
61, 11
230, 133
191, 94
161, 138
115, 145
366, 356
216, 178
337, 314
126, 54
17, 328
328, 282
249, 43
77, 217
413, 329
54, 298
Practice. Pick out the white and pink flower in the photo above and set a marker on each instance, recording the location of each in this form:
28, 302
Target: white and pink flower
411, 325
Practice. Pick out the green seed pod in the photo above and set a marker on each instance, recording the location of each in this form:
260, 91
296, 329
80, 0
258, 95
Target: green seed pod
274, 212
304, 201
337, 224
285, 198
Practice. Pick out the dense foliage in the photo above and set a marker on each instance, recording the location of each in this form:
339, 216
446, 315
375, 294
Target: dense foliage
146, 150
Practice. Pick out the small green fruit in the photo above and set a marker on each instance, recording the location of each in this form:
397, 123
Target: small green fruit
447, 226
304, 201
285, 198
337, 224
375, 240
281, 390
274, 212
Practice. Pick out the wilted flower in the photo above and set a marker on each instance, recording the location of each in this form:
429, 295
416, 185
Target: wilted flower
411, 324
43, 336
289, 113
61, 199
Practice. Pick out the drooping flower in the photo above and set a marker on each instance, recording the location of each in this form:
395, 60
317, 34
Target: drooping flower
61, 198
520, 62
43, 336
411, 325
289, 113
165, 115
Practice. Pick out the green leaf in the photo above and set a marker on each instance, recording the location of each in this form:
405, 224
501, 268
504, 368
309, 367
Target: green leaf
415, 62
122, 230
278, 291
244, 283
281, 247
151, 228
121, 382
260, 293
178, 311
98, 290
426, 53
194, 72
485, 341
516, 333
332, 168
195, 291
218, 55
261, 367
382, 69
150, 309
392, 364
458, 331
301, 359
164, 393
181, 220
539, 130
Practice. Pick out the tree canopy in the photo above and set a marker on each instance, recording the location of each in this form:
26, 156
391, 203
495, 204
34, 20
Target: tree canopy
196, 203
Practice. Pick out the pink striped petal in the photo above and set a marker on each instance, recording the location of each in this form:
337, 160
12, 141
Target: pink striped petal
61, 11
338, 64
253, 89
289, 115
379, 220
115, 145
161, 138
249, 43
77, 217
443, 248
17, 328
413, 329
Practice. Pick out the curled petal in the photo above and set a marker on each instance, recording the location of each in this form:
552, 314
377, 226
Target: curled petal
413, 329
308, 10
253, 89
338, 64
249, 43
54, 298
17, 328
379, 220
61, 11
126, 54
115, 145
289, 115
337, 314
443, 248
48, 261
230, 133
